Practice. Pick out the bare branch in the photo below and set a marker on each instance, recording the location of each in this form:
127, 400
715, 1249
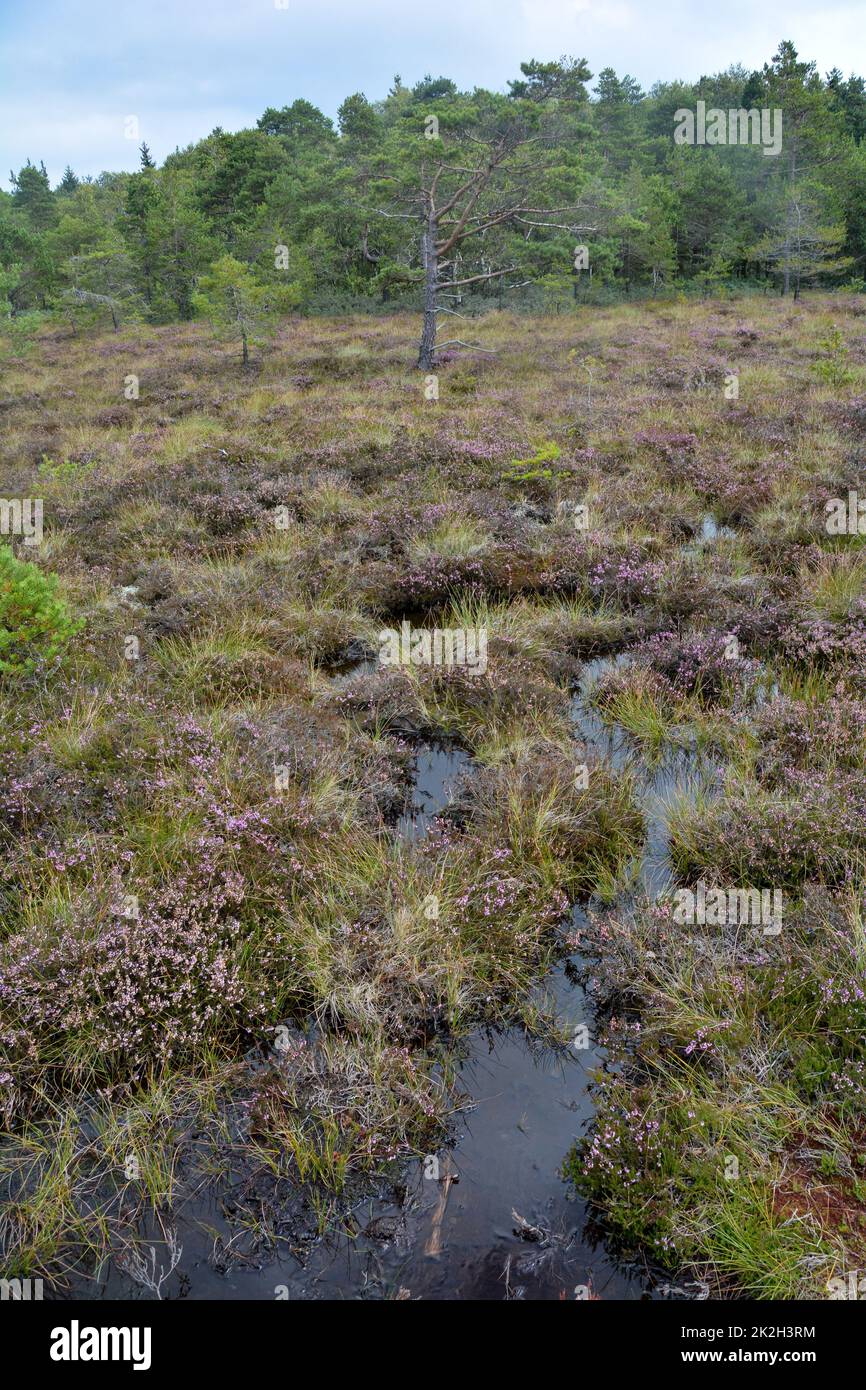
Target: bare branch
559, 226
473, 347
407, 216
473, 279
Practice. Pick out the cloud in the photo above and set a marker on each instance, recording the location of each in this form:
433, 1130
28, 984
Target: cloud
73, 71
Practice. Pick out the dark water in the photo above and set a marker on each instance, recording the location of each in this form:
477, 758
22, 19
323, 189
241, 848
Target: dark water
456, 1233
436, 770
455, 1237
710, 532
657, 781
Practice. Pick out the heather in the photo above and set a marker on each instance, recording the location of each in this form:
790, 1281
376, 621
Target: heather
728, 1134
224, 956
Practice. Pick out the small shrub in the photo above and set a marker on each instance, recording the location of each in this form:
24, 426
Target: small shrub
541, 467
833, 367
34, 623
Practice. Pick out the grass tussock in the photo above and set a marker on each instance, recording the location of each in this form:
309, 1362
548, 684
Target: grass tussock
222, 968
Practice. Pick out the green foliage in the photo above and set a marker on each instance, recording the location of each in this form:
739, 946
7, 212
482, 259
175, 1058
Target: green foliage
239, 307
833, 366
563, 80
34, 623
661, 215
535, 469
302, 120
33, 194
62, 470
18, 334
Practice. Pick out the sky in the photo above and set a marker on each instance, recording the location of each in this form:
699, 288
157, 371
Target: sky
73, 71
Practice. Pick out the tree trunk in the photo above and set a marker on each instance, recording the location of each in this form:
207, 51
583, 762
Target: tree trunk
246, 357
427, 350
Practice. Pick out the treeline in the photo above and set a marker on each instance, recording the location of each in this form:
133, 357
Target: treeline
306, 215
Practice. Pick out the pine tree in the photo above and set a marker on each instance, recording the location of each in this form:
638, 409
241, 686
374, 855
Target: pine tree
33, 194
483, 185
802, 245
233, 302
